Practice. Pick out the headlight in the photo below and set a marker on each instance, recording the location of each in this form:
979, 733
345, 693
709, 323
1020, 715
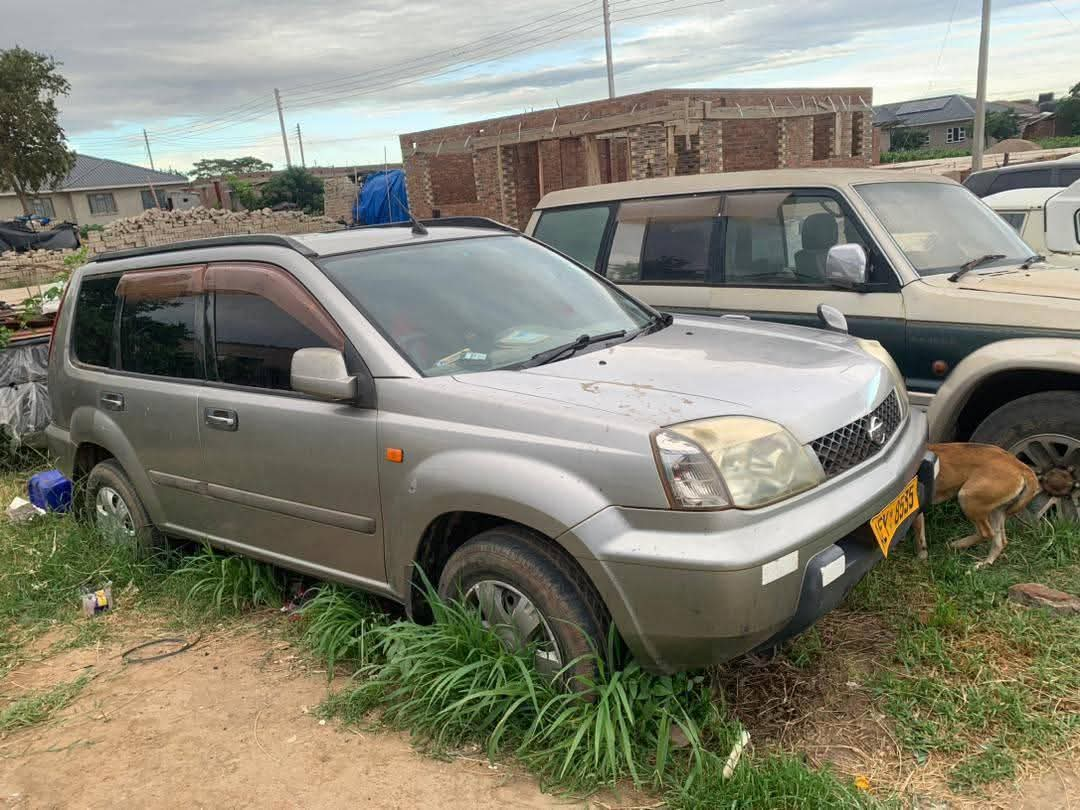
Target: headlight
734, 461
877, 351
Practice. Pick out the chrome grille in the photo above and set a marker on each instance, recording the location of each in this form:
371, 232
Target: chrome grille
851, 445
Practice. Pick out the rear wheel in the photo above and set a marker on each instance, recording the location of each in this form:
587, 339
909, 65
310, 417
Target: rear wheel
116, 510
530, 594
1043, 431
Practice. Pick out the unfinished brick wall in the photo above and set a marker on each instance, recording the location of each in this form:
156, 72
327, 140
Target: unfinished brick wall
339, 198
751, 143
565, 148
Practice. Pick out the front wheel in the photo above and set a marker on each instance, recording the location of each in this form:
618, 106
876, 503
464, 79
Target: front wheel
1043, 431
530, 594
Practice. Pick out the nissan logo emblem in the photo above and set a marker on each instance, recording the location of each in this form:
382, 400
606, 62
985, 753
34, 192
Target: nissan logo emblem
875, 429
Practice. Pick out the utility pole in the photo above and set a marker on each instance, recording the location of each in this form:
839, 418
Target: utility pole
607, 47
281, 120
149, 182
980, 91
300, 139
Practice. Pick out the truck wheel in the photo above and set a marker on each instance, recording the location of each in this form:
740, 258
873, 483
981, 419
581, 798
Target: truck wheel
530, 593
1043, 431
116, 510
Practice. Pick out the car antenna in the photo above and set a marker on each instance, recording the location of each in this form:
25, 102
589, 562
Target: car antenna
417, 226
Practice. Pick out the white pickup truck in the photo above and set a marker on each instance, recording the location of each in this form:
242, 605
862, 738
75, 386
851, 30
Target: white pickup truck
1045, 218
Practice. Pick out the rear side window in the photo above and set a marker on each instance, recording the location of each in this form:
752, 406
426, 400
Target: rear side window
1014, 218
577, 232
1035, 178
666, 241
160, 321
1066, 177
95, 315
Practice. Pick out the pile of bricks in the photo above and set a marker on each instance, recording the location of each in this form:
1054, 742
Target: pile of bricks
158, 227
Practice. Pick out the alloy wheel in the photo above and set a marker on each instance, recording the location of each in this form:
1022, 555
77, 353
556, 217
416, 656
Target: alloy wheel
112, 516
516, 621
1056, 460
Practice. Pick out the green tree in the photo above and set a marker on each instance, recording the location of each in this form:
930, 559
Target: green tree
1002, 124
903, 139
1068, 110
297, 186
223, 167
33, 150
245, 193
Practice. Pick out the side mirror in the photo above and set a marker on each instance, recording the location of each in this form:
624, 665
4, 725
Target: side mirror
322, 373
1063, 221
831, 318
845, 266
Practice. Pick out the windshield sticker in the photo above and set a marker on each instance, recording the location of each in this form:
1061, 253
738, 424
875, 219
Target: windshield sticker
522, 337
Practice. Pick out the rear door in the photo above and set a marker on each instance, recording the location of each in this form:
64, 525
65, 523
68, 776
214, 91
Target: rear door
288, 475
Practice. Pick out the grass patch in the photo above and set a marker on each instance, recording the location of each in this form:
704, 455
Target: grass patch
339, 626
38, 707
220, 583
974, 676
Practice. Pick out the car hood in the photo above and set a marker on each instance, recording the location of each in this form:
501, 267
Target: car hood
809, 381
1047, 280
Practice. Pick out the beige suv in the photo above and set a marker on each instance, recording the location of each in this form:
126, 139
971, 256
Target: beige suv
984, 331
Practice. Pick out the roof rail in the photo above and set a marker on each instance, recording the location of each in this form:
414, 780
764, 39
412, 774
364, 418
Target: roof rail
272, 239
445, 222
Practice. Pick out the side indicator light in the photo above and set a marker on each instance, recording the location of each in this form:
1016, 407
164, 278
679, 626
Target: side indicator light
395, 454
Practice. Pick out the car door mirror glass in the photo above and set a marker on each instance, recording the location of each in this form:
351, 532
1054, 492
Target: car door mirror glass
845, 266
322, 373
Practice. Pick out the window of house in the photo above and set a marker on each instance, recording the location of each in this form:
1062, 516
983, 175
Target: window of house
1014, 218
95, 316
43, 207
101, 203
160, 322
577, 232
955, 134
261, 316
783, 237
148, 199
665, 241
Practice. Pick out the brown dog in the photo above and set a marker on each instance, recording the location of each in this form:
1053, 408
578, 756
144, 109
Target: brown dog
990, 484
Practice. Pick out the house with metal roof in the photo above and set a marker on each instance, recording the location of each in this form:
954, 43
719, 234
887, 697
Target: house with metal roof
99, 190
948, 121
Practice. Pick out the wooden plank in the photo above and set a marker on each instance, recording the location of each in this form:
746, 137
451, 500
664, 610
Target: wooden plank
592, 161
672, 158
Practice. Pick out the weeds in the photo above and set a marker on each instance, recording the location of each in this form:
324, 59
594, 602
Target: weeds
36, 708
221, 583
339, 626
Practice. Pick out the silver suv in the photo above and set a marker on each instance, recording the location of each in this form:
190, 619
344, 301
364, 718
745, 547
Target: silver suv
462, 400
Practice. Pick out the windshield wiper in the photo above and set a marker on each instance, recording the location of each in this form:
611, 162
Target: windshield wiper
1030, 260
967, 267
568, 349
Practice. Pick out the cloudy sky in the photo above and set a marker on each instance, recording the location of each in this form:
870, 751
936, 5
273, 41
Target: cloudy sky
199, 76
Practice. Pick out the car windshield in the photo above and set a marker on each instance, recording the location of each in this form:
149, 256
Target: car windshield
941, 226
482, 303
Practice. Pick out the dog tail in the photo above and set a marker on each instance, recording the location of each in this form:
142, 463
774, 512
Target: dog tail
1031, 487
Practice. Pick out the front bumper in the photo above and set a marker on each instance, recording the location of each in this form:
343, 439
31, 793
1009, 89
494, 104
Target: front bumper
690, 589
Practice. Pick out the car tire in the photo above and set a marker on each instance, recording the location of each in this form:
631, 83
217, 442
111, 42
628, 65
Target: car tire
116, 510
498, 568
1043, 431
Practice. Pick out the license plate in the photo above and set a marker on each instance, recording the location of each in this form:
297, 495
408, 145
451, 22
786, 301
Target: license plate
888, 520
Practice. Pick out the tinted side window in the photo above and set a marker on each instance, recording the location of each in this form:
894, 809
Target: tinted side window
1035, 178
577, 232
254, 341
158, 335
1066, 177
666, 241
95, 314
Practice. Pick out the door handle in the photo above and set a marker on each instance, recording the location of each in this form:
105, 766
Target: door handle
221, 418
111, 401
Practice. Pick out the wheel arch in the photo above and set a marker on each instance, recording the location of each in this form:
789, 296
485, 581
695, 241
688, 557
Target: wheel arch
999, 373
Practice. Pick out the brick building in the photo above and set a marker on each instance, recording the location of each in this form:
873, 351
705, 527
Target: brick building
501, 167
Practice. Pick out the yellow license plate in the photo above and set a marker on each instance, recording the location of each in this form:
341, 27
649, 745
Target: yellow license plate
888, 520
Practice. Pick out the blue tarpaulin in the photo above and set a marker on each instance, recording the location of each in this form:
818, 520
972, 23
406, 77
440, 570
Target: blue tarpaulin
382, 199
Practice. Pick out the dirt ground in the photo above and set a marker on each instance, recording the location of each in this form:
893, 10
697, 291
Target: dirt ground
229, 723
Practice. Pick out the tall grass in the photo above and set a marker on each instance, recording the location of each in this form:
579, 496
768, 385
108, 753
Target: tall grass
217, 582
339, 625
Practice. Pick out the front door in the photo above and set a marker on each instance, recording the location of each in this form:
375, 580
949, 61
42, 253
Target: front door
288, 476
